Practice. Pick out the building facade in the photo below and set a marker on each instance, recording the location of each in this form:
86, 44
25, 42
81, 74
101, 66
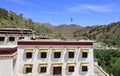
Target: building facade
57, 57
25, 56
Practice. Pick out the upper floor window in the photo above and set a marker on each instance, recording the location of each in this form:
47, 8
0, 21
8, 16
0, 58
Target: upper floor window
84, 53
28, 53
21, 37
2, 38
71, 53
11, 38
33, 38
43, 53
57, 53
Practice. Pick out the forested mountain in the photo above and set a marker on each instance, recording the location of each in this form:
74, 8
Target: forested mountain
108, 34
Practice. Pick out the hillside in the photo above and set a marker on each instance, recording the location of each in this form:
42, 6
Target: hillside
108, 34
11, 18
66, 31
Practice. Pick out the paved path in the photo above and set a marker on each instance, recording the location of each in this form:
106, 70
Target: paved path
99, 72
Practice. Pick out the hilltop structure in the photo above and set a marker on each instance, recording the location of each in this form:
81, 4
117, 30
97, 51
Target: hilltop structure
21, 54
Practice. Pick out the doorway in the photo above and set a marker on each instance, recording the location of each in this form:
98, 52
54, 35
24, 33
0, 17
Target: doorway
57, 70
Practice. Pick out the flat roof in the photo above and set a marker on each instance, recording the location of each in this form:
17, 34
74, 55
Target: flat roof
55, 42
8, 46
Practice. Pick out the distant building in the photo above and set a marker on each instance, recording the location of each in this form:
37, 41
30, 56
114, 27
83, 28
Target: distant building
48, 57
10, 35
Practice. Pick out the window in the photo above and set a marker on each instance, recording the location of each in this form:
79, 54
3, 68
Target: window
57, 71
32, 38
84, 54
43, 69
71, 68
11, 38
71, 54
28, 68
84, 68
57, 54
21, 37
2, 38
28, 54
43, 54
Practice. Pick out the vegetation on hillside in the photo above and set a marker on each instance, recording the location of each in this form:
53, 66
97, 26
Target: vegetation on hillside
11, 18
109, 60
108, 34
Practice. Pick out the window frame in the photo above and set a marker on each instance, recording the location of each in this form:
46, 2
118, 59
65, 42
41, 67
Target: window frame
43, 69
9, 38
84, 54
27, 68
84, 68
26, 54
43, 54
71, 68
71, 55
3, 39
21, 37
57, 54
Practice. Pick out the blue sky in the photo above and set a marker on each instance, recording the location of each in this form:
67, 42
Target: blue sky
83, 12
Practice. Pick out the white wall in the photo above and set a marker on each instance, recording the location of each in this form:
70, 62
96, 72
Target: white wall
50, 60
6, 67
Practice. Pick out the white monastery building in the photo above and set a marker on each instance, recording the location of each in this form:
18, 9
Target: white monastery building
22, 55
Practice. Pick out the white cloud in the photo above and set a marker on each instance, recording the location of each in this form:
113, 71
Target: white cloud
86, 8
